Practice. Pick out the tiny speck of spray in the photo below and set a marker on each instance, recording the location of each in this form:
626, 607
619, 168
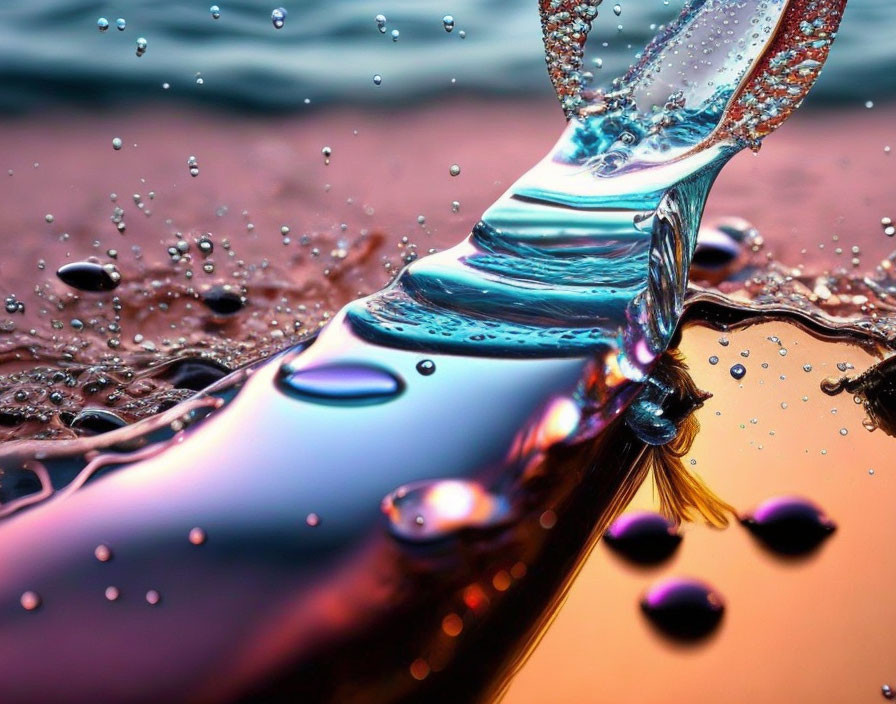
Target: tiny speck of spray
197, 536
312, 519
112, 593
153, 597
462, 34
30, 600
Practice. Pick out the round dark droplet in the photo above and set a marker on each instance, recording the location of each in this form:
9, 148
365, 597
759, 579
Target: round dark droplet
341, 382
426, 367
715, 253
223, 300
646, 538
683, 609
89, 276
789, 526
738, 371
194, 373
96, 421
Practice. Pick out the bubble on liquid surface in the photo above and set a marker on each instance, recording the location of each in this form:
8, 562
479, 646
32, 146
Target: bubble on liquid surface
223, 300
89, 276
341, 383
789, 525
683, 609
278, 17
432, 510
643, 537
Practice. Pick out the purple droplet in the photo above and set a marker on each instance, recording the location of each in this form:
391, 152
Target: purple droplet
643, 537
684, 609
789, 525
342, 382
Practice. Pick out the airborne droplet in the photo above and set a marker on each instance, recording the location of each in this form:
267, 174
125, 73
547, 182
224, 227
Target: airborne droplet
683, 609
278, 17
643, 537
789, 525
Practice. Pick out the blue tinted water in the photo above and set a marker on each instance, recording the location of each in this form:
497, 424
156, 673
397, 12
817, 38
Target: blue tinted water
328, 51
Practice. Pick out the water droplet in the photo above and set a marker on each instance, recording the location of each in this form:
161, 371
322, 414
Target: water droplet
395, 35
312, 519
684, 609
121, 24
215, 12
197, 536
327, 153
116, 143
141, 46
426, 367
454, 170
380, 23
432, 510
713, 360
223, 300
643, 537
103, 553
789, 526
102, 24
341, 382
112, 593
49, 217
193, 166
377, 79
194, 373
887, 692
30, 600
448, 23
89, 276
738, 371
153, 597
278, 17
617, 9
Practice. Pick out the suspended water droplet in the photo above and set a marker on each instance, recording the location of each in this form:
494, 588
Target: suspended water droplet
617, 9
341, 382
448, 23
380, 23
141, 46
102, 24
643, 537
395, 35
215, 12
887, 692
684, 609
121, 24
116, 143
278, 17
30, 600
153, 597
312, 519
454, 170
327, 153
89, 276
432, 510
197, 536
377, 79
426, 367
789, 525
103, 553
112, 593
738, 371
